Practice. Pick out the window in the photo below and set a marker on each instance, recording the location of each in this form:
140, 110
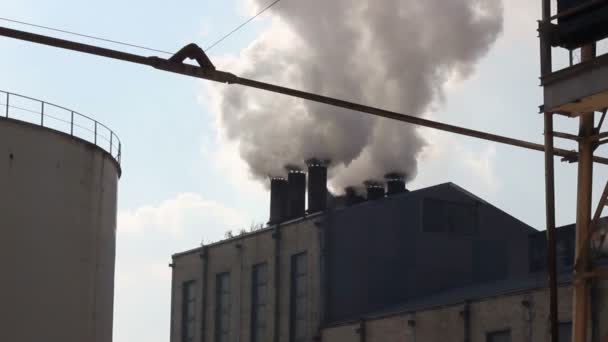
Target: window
222, 307
299, 298
564, 332
499, 336
259, 303
188, 311
449, 217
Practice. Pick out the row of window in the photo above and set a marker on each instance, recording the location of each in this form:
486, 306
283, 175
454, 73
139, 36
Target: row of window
298, 317
564, 334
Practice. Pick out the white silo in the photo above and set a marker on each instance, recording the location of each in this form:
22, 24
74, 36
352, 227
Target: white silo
58, 183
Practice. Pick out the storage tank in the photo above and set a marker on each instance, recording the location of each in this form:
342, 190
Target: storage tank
58, 185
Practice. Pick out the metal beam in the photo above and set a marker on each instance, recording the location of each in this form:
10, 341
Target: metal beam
601, 273
583, 253
228, 78
550, 225
546, 67
583, 214
566, 136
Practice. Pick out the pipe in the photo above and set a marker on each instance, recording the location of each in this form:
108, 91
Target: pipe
361, 330
466, 319
205, 259
322, 296
276, 235
411, 323
228, 78
528, 317
172, 327
323, 237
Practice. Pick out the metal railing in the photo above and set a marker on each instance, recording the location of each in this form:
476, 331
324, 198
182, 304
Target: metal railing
45, 114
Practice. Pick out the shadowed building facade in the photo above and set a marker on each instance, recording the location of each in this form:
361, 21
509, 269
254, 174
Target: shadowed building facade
435, 264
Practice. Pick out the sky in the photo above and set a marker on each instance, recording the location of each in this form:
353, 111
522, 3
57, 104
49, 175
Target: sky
183, 184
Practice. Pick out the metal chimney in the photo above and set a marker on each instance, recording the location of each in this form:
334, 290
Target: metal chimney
375, 190
317, 185
278, 200
296, 193
395, 183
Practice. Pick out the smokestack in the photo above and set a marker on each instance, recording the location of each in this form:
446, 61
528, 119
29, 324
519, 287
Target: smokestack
296, 193
395, 183
317, 185
352, 197
278, 200
396, 54
375, 190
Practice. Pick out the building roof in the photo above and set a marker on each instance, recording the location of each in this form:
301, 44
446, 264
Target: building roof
338, 205
473, 293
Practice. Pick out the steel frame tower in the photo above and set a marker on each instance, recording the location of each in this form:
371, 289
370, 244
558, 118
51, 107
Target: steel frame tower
577, 91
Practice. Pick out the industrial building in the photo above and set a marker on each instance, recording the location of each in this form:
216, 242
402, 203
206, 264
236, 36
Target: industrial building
58, 189
434, 264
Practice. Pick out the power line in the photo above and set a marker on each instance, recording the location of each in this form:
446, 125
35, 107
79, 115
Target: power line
136, 45
85, 35
241, 25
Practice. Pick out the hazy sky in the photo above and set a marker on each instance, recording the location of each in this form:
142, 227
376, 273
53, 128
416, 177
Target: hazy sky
183, 184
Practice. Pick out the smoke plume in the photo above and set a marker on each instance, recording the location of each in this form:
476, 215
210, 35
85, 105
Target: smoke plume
393, 54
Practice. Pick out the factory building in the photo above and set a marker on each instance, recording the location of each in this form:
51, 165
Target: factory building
434, 264
58, 189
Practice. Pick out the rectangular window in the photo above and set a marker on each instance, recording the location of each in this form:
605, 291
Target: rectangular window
188, 311
222, 307
499, 336
259, 303
299, 298
564, 332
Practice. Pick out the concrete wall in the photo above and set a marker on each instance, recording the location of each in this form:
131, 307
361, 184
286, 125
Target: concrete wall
58, 224
527, 322
238, 256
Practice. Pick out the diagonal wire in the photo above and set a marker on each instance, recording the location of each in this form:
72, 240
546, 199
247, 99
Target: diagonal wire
85, 35
241, 25
140, 46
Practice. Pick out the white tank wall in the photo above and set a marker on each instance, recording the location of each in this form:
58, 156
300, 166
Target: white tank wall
57, 242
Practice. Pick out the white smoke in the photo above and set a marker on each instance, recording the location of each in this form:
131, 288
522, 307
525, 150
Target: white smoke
393, 54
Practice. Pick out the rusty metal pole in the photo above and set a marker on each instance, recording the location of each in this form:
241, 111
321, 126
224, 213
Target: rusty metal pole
583, 215
545, 69
550, 225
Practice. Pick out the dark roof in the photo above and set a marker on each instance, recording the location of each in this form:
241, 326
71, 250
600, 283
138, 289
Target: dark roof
339, 202
473, 293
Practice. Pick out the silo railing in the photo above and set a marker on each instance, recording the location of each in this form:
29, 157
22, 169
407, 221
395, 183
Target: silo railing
45, 114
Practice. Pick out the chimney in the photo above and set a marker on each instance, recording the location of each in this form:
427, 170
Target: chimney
317, 185
352, 197
395, 183
296, 193
278, 200
375, 190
